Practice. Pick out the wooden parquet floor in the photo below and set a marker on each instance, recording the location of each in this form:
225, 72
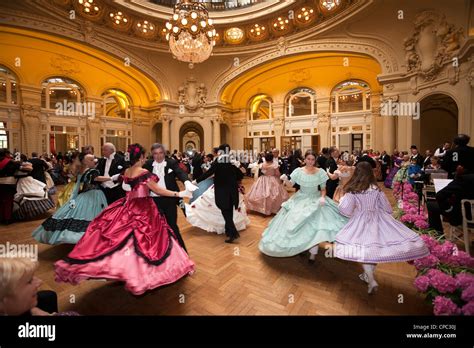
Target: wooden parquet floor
236, 279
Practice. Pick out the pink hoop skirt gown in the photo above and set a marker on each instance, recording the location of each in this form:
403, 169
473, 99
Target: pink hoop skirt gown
129, 241
267, 194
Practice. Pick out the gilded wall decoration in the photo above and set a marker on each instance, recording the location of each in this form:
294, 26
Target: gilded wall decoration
434, 43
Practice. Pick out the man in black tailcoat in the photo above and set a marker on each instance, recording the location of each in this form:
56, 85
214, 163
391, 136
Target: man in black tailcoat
226, 178
167, 170
112, 164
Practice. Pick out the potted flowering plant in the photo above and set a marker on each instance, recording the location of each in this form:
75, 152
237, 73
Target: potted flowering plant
446, 276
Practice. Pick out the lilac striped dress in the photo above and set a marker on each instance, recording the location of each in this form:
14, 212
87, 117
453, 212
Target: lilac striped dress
372, 235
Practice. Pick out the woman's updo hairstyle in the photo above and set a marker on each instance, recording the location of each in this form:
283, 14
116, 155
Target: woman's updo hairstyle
136, 151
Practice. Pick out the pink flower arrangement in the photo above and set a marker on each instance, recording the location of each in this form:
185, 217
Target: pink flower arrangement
443, 282
468, 308
445, 306
426, 262
445, 275
464, 280
422, 283
430, 242
468, 293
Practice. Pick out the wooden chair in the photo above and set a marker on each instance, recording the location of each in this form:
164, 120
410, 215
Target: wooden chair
467, 208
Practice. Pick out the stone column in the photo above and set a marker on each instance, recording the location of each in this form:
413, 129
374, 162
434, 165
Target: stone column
216, 131
324, 129
30, 117
31, 128
93, 124
388, 131
278, 123
324, 121
165, 128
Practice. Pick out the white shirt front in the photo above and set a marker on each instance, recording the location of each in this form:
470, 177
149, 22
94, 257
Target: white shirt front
108, 163
159, 171
438, 152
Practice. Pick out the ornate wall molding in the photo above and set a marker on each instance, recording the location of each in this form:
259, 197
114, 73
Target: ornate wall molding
377, 50
434, 43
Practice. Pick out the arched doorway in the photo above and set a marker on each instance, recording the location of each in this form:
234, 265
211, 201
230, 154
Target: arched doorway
225, 134
191, 137
157, 133
438, 121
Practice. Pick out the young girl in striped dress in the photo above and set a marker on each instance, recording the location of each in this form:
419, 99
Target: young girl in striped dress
372, 235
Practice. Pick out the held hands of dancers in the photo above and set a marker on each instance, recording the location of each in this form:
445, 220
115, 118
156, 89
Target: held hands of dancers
185, 193
190, 186
284, 177
115, 177
322, 200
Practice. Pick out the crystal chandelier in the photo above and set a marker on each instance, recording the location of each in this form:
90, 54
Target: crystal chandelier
190, 32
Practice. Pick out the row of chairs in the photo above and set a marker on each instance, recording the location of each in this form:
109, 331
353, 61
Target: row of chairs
461, 233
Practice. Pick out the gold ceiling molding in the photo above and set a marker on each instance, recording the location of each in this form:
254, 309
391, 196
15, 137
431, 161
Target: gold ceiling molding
65, 65
278, 18
255, 11
377, 50
320, 71
300, 75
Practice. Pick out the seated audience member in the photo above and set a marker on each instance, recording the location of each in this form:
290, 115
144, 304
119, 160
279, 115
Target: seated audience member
460, 158
19, 293
448, 202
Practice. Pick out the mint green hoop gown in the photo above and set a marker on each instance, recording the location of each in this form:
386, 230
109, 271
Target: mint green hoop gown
302, 221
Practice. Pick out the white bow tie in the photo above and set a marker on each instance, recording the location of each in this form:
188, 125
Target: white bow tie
161, 164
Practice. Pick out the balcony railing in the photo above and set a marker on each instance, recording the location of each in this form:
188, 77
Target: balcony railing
213, 5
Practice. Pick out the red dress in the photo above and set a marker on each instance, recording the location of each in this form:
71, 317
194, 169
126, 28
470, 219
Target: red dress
129, 241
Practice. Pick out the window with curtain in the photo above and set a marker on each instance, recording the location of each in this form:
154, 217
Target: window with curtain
301, 102
60, 90
352, 95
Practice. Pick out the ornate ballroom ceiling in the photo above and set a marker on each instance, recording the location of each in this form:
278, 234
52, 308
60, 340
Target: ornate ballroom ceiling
239, 23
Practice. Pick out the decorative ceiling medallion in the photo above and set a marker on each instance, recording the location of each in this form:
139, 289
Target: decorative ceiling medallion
145, 28
234, 35
296, 16
91, 9
281, 25
257, 32
118, 20
305, 16
328, 6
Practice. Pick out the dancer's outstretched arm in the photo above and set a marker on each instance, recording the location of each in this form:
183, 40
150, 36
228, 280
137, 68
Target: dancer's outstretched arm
167, 193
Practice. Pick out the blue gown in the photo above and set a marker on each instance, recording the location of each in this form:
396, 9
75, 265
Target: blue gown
302, 221
70, 221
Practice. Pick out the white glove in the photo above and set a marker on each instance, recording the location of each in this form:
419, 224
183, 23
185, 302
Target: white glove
284, 177
327, 170
194, 182
252, 165
115, 177
126, 187
185, 193
322, 201
189, 186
